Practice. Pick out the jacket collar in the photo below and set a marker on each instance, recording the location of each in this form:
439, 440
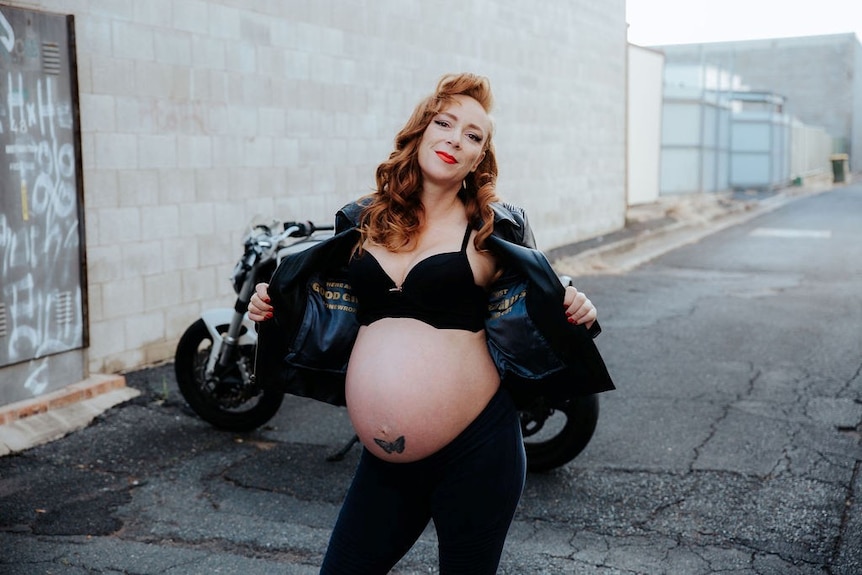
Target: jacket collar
503, 212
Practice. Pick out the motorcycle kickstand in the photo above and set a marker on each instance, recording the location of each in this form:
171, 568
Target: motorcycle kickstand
339, 455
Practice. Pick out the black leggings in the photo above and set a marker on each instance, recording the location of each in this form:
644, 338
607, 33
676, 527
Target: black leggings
470, 488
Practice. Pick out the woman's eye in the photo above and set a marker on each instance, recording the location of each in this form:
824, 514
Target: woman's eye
442, 123
475, 137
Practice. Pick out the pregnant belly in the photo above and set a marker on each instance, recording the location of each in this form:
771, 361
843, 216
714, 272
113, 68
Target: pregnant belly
412, 388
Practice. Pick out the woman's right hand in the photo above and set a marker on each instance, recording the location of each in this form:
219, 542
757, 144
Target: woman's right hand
259, 308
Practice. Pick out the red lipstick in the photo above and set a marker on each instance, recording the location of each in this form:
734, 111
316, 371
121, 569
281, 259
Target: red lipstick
447, 158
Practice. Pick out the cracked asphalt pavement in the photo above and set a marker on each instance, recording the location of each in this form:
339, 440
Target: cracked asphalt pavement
732, 444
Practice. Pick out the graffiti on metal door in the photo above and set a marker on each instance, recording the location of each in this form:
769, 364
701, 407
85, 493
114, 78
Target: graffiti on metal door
41, 291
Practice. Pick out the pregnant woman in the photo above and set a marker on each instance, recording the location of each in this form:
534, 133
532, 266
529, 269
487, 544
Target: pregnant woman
427, 257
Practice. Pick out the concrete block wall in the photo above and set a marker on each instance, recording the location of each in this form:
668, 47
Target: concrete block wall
197, 115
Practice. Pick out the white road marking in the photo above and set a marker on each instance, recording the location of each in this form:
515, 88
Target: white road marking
791, 233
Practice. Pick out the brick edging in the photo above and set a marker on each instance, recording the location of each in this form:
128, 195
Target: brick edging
74, 393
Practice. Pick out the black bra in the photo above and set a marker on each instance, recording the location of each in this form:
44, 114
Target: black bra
439, 290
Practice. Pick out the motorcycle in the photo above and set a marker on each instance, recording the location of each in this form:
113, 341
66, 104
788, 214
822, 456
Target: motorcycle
214, 360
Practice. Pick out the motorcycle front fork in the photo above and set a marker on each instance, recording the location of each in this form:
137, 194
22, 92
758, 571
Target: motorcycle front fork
224, 352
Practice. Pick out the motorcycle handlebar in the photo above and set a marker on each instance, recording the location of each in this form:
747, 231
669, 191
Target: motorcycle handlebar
304, 229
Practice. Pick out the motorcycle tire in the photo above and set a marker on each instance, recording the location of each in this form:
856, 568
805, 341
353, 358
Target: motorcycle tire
559, 431
190, 361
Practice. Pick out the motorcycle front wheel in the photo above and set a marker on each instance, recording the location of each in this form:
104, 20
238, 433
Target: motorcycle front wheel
556, 432
226, 399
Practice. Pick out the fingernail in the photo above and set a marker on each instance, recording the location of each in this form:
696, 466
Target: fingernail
571, 319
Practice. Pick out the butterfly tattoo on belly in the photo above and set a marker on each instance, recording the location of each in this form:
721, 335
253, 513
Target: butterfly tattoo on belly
396, 446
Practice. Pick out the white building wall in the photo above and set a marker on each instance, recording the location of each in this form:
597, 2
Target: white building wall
856, 131
198, 114
645, 77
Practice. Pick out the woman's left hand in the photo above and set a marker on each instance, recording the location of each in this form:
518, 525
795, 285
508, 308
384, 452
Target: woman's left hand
579, 309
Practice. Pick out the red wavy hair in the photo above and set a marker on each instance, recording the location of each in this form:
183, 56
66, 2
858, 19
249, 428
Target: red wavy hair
393, 216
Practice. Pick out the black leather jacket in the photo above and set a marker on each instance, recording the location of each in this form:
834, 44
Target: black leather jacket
305, 348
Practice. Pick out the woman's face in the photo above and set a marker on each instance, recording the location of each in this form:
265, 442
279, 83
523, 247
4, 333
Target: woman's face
453, 144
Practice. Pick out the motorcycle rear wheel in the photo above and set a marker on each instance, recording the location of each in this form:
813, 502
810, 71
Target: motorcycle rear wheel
556, 433
215, 401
